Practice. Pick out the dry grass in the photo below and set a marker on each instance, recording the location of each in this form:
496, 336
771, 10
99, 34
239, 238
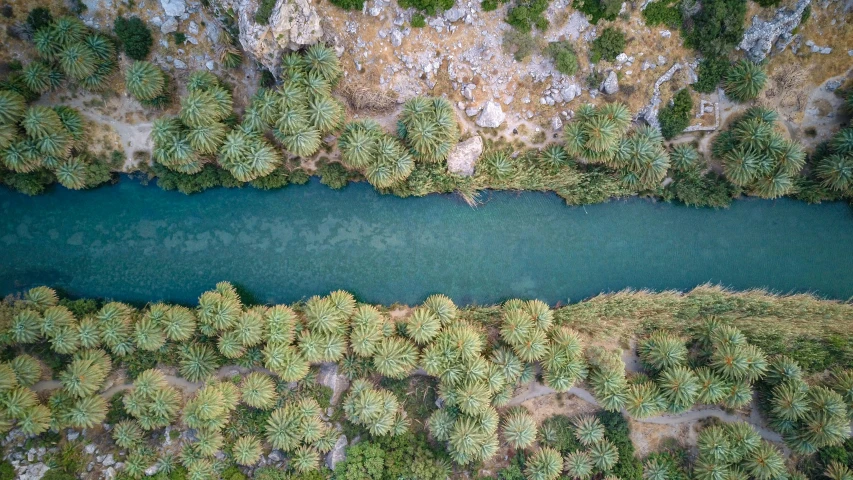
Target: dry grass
363, 97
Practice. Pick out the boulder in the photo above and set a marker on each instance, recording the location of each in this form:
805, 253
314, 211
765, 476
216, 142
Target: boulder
761, 35
464, 155
338, 453
556, 124
610, 85
174, 8
330, 377
454, 14
492, 115
571, 92
169, 26
292, 25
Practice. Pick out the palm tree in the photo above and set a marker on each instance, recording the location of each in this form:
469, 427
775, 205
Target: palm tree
707, 469
148, 335
280, 323
662, 351
321, 315
838, 471
498, 164
40, 121
604, 455
739, 395
178, 323
517, 326
197, 362
65, 340
208, 409
136, 463
618, 113
644, 400
765, 462
442, 307
82, 378
208, 442
87, 412
610, 388
325, 114
303, 143
842, 142
199, 108
101, 46
322, 60
836, 171
714, 444
465, 440
745, 80
72, 173
545, 464
519, 429
285, 361
684, 157
655, 469
200, 469
472, 397
588, 430
37, 77
78, 61
26, 326
358, 143
578, 465
554, 156
441, 424
422, 326
17, 401
679, 387
712, 388
305, 459
247, 450
789, 400
258, 390
842, 383
144, 80
35, 420
40, 297
27, 370
283, 429
508, 364
395, 357
127, 434
202, 80
68, 30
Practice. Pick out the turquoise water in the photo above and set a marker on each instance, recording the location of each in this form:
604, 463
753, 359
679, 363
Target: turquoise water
140, 243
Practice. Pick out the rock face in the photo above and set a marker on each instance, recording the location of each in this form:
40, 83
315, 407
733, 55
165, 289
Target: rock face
292, 25
464, 156
610, 85
760, 37
492, 115
337, 454
330, 377
174, 8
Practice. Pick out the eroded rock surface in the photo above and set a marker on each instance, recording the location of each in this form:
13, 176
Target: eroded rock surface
492, 115
761, 35
464, 155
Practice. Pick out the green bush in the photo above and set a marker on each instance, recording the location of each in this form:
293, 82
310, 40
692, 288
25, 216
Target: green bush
608, 45
558, 432
7, 471
418, 21
662, 12
527, 14
39, 17
697, 190
134, 36
180, 38
490, 5
31, 183
262, 14
365, 461
209, 177
768, 3
520, 45
675, 117
429, 7
564, 57
599, 9
619, 433
353, 5
711, 71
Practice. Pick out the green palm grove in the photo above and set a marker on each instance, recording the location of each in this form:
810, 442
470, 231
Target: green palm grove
477, 364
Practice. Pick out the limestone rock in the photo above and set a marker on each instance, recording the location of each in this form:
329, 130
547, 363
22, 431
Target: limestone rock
570, 93
556, 124
338, 453
492, 115
610, 85
454, 14
174, 8
761, 35
330, 377
293, 24
169, 26
464, 155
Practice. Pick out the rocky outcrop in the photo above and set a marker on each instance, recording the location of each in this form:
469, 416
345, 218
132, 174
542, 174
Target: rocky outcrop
292, 25
492, 115
464, 156
338, 453
760, 37
330, 377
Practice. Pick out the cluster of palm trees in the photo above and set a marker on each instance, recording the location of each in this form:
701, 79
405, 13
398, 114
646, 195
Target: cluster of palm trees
599, 455
736, 450
835, 169
146, 82
382, 157
757, 156
478, 365
69, 49
745, 80
603, 135
40, 137
429, 128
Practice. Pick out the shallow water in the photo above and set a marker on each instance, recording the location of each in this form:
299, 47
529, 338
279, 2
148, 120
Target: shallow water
139, 243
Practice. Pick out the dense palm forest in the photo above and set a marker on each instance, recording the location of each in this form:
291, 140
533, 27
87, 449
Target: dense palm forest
477, 357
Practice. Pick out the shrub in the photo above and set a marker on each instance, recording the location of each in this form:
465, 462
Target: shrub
527, 14
355, 5
564, 57
490, 5
333, 175
262, 14
598, 9
429, 7
134, 36
608, 45
662, 12
712, 70
39, 17
7, 472
180, 38
520, 45
675, 117
714, 30
418, 21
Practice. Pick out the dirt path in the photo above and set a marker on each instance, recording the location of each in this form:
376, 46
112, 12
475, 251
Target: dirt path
536, 389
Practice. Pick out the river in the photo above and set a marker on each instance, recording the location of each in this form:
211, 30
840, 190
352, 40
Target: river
140, 243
